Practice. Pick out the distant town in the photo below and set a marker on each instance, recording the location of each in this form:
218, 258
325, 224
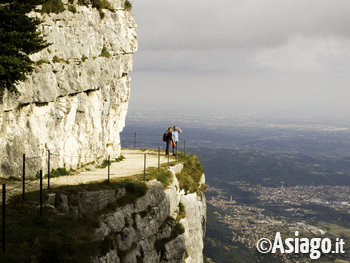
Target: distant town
249, 223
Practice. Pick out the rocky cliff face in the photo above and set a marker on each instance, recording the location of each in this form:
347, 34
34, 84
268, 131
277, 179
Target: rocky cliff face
75, 102
161, 226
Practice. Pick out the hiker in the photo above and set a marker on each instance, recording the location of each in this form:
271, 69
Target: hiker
168, 138
176, 131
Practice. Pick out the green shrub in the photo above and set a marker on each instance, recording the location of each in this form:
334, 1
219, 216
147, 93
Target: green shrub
182, 212
102, 4
41, 61
59, 172
104, 164
127, 5
105, 52
72, 8
190, 176
57, 59
120, 158
52, 6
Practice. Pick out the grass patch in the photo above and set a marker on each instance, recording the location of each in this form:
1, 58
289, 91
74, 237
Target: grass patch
120, 158
190, 176
57, 173
182, 212
57, 59
127, 5
72, 9
60, 172
105, 162
164, 176
105, 52
52, 6
58, 237
41, 61
102, 4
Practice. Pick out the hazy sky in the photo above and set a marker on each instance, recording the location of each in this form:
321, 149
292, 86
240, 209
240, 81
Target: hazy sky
241, 55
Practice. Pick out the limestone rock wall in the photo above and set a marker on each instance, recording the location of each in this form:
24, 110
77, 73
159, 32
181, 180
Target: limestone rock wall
75, 102
146, 230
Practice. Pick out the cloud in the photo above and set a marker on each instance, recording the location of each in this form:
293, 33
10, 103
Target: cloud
199, 24
238, 35
270, 54
307, 55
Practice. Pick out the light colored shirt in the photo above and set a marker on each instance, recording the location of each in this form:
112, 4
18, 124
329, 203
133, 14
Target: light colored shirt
175, 136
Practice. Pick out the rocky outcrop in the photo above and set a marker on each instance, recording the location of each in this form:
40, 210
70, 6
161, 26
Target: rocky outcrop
75, 102
149, 229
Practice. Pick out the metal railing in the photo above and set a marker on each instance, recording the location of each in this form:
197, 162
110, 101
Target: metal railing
39, 173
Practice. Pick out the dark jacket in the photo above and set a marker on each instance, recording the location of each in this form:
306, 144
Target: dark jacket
169, 136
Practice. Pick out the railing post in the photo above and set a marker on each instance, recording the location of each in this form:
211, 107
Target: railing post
3, 218
24, 176
41, 192
109, 166
135, 140
48, 169
185, 147
144, 168
158, 159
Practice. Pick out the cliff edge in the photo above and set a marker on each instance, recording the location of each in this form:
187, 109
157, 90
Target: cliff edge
124, 220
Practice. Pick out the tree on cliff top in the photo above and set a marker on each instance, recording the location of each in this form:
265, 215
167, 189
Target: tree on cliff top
19, 38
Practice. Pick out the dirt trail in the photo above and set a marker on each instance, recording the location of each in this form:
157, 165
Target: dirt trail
132, 164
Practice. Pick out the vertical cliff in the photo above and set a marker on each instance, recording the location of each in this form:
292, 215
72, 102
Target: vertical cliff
75, 102
162, 225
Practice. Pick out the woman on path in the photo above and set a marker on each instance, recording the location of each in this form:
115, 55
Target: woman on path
169, 140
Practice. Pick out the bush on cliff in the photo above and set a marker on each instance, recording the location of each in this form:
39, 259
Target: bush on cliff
190, 176
52, 6
127, 5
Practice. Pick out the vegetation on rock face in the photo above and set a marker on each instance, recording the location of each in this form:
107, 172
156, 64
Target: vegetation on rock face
19, 38
190, 176
72, 8
105, 52
52, 6
57, 237
127, 5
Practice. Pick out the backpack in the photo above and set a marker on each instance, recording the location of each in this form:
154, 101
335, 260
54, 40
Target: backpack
164, 137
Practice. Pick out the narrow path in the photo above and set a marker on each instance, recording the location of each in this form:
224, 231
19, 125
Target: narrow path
131, 165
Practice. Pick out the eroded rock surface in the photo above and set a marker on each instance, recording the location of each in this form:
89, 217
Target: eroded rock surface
75, 102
